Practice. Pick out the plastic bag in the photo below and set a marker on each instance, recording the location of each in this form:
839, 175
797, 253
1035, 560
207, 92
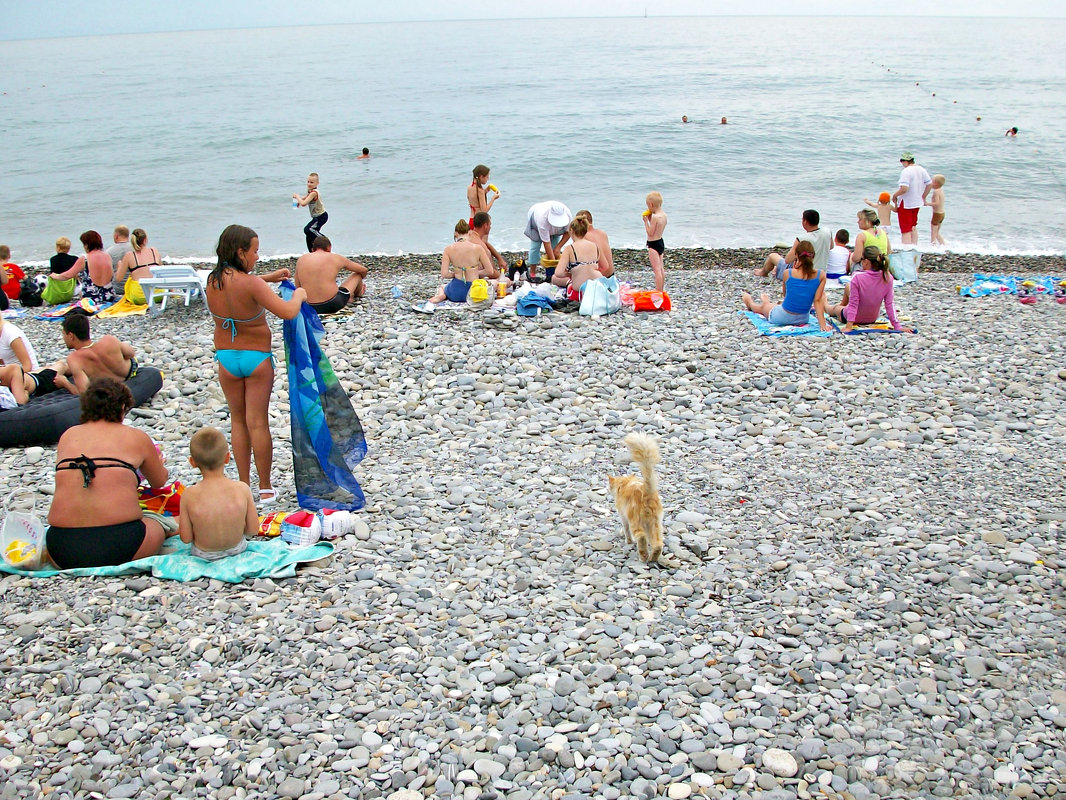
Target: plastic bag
904, 265
22, 541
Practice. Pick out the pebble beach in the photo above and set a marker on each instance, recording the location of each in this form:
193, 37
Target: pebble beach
862, 594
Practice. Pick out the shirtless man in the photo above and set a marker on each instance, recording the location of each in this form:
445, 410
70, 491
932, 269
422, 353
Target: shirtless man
479, 234
317, 273
88, 359
599, 238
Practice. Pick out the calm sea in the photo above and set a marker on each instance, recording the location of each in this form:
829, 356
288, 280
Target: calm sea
184, 133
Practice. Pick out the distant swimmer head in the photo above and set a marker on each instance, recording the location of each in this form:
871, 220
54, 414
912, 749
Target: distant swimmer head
725, 121
684, 118
366, 151
884, 197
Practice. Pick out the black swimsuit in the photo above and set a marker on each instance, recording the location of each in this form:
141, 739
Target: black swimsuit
98, 545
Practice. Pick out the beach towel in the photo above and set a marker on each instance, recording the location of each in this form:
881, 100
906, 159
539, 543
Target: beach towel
984, 285
273, 559
327, 437
882, 325
14, 313
766, 329
85, 306
122, 308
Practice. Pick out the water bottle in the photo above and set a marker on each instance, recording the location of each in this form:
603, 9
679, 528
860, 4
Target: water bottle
295, 203
397, 291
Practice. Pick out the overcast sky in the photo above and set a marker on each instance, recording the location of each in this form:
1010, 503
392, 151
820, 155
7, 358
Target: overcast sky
46, 18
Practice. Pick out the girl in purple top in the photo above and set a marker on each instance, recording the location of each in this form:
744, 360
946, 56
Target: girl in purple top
869, 289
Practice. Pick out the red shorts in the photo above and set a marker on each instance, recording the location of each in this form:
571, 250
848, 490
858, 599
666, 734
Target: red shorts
908, 218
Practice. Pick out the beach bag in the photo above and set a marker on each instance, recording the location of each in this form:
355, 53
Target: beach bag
30, 293
602, 296
651, 301
57, 292
904, 265
479, 296
22, 541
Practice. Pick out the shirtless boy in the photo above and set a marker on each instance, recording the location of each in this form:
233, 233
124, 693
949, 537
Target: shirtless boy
217, 513
106, 357
26, 385
936, 200
317, 273
654, 225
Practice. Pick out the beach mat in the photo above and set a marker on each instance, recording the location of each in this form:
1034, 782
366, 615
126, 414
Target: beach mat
15, 313
766, 329
272, 559
984, 285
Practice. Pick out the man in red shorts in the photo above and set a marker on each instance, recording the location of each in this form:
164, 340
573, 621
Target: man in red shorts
914, 185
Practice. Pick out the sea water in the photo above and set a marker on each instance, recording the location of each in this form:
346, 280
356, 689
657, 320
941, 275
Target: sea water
185, 133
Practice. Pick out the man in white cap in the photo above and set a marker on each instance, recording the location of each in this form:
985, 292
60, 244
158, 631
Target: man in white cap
548, 225
914, 187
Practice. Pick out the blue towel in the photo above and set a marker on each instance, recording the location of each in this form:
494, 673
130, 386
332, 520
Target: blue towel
272, 559
327, 437
766, 329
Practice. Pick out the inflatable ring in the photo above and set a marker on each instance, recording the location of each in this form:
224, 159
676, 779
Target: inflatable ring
44, 419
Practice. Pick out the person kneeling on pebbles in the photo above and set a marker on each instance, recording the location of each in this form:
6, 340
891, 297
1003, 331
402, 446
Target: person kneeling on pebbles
461, 263
317, 273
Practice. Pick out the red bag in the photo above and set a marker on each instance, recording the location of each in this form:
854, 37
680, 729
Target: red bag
651, 301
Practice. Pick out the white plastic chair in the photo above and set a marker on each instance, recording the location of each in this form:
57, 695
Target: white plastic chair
172, 280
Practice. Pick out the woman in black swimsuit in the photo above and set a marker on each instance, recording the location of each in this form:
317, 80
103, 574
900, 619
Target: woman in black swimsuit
137, 264
95, 519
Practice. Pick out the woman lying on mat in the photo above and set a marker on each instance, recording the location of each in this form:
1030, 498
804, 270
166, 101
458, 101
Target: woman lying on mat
803, 288
95, 519
870, 287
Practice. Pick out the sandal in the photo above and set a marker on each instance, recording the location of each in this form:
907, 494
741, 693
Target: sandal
267, 497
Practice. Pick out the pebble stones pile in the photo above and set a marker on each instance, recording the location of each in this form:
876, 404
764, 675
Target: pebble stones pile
864, 597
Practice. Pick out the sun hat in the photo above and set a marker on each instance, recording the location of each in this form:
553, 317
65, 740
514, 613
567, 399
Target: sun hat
559, 216
906, 155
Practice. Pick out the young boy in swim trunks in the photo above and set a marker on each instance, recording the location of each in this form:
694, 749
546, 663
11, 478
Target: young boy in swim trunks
884, 208
936, 200
24, 386
217, 513
654, 225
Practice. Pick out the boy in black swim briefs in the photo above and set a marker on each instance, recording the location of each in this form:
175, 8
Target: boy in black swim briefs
654, 225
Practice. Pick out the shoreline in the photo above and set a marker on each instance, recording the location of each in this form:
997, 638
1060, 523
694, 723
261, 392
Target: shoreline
700, 258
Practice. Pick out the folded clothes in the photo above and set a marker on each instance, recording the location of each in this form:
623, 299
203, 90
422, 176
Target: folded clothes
766, 329
273, 559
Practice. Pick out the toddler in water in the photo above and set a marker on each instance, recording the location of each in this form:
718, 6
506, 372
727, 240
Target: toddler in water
313, 201
654, 225
217, 513
884, 208
837, 263
936, 200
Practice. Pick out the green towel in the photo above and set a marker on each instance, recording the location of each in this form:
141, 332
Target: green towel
273, 559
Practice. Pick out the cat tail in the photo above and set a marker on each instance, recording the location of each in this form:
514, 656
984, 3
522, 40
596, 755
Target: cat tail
646, 453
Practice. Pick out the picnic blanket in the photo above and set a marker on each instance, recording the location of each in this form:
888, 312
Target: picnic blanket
273, 559
810, 329
327, 437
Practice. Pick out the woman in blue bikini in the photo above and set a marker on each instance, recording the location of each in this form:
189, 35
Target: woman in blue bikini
239, 300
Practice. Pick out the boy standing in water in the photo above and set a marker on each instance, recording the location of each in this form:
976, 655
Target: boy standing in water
313, 201
936, 200
654, 225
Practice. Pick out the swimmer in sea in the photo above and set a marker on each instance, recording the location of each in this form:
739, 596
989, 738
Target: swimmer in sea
684, 118
1012, 132
366, 154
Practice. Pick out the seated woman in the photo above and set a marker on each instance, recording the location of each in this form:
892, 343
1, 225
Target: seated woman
95, 519
137, 264
579, 262
802, 287
96, 263
869, 288
462, 262
15, 348
870, 235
